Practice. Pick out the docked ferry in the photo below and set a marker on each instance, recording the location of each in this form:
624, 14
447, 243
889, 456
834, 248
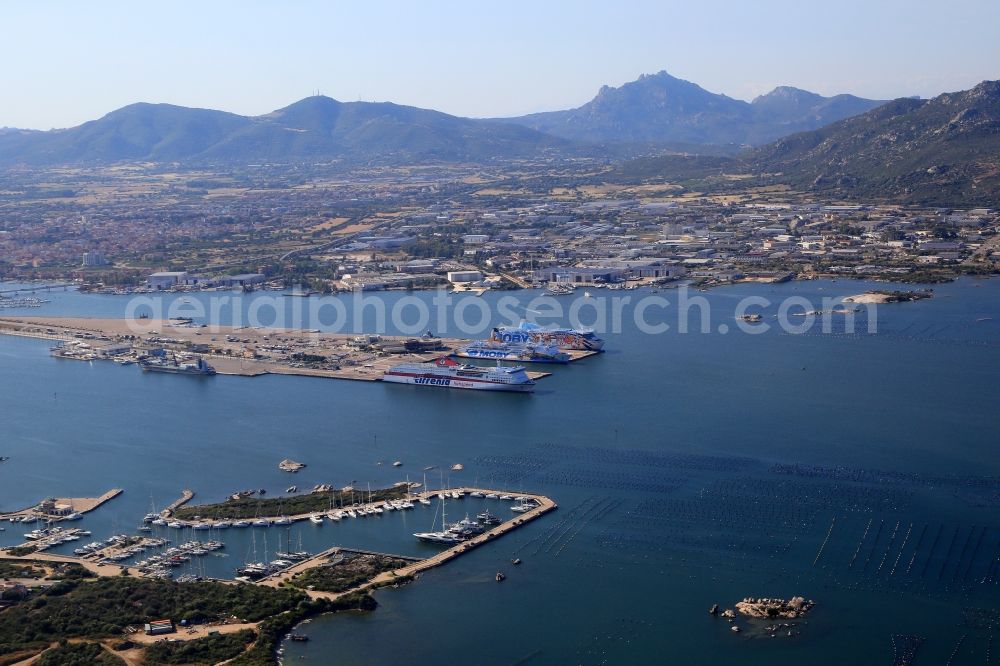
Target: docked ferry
448, 373
197, 366
563, 338
531, 352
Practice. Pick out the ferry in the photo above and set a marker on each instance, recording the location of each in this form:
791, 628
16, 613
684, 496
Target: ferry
524, 353
449, 373
563, 338
195, 367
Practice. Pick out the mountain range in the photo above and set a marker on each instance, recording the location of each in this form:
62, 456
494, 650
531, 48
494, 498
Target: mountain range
656, 111
660, 108
314, 128
945, 149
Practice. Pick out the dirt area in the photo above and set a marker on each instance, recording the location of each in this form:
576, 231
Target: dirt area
193, 633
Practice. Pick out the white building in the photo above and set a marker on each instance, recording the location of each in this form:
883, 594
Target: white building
166, 279
464, 276
92, 259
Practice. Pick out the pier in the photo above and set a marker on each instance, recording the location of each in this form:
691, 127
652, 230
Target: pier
73, 505
543, 506
186, 496
30, 289
243, 351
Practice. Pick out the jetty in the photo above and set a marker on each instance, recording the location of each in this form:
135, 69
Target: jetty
32, 288
61, 508
186, 496
543, 505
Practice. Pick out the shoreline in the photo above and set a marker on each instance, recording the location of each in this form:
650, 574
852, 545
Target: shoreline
238, 351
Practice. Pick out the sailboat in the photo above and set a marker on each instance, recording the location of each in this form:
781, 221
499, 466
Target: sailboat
424, 500
444, 536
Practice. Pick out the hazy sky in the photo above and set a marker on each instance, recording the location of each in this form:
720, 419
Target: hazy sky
67, 62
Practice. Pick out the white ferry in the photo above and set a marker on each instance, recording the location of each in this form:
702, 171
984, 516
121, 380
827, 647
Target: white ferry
521, 353
448, 373
563, 338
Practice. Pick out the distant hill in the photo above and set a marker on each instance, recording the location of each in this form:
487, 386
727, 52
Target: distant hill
945, 150
660, 108
313, 128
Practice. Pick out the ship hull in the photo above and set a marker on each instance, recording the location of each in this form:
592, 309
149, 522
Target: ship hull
177, 371
560, 339
454, 382
496, 355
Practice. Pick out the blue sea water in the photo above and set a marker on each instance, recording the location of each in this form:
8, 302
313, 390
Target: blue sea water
690, 469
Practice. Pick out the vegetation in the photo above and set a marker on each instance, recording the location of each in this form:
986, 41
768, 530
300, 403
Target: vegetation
208, 650
21, 551
902, 296
252, 507
941, 151
347, 572
106, 606
79, 654
14, 569
271, 630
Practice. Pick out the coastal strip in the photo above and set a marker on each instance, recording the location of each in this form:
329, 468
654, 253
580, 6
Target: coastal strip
244, 351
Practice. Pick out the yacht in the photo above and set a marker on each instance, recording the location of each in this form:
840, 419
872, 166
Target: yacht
316, 519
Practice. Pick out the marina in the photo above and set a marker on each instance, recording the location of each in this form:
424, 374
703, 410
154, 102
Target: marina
123, 552
734, 499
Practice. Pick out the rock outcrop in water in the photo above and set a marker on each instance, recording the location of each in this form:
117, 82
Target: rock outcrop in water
774, 608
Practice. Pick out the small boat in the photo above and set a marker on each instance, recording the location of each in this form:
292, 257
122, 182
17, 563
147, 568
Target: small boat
291, 489
516, 560
316, 519
241, 523
175, 525
397, 464
501, 576
488, 518
424, 500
